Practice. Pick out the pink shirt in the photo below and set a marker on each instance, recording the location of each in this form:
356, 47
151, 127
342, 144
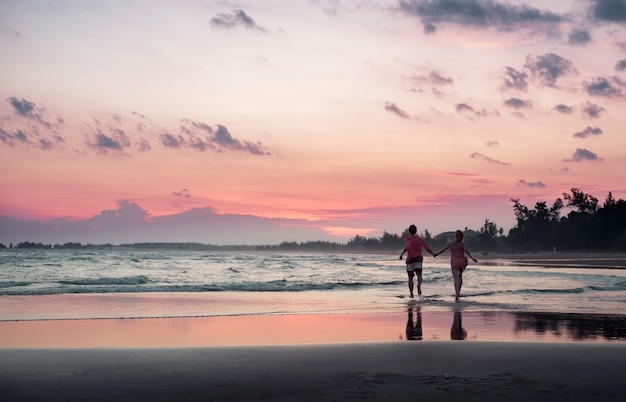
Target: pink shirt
413, 246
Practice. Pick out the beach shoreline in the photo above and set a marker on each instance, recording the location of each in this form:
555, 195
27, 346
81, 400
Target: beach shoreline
556, 259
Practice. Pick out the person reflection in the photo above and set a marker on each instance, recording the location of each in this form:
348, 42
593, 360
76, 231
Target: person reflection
414, 323
457, 332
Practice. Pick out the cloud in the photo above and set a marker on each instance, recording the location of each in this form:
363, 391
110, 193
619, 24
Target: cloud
600, 86
477, 155
587, 132
435, 80
430, 28
536, 184
128, 222
391, 107
514, 79
127, 211
172, 141
546, 69
45, 144
12, 139
472, 178
184, 193
462, 108
582, 154
480, 182
144, 146
492, 143
30, 111
609, 10
102, 143
29, 140
225, 140
620, 65
561, 108
236, 19
459, 174
110, 133
200, 136
592, 111
517, 103
22, 107
579, 37
478, 14
43, 135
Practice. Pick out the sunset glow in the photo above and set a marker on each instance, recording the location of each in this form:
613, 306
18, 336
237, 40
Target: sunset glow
260, 122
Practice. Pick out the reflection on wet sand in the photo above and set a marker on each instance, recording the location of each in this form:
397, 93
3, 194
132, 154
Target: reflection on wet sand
527, 326
414, 323
457, 332
577, 327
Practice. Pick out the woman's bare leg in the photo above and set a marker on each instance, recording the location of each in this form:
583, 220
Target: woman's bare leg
458, 281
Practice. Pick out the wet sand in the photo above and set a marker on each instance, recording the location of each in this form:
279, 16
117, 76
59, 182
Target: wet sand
414, 324
557, 259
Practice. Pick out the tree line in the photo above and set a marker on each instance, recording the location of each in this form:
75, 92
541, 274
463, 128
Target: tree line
587, 226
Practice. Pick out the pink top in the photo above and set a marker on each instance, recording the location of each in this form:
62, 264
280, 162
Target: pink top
457, 259
413, 247
456, 249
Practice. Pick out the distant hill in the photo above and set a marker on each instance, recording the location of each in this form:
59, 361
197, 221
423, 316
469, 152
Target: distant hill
450, 236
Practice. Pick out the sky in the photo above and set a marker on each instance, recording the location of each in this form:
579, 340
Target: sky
258, 122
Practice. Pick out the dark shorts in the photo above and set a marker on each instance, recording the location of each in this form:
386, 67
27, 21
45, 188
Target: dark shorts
414, 266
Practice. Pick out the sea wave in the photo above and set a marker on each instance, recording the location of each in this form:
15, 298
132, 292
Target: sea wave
612, 287
143, 284
11, 284
376, 280
127, 280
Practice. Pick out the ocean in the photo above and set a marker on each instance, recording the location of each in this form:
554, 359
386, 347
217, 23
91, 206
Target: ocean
119, 282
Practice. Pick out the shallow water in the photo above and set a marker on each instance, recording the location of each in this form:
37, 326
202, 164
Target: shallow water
130, 283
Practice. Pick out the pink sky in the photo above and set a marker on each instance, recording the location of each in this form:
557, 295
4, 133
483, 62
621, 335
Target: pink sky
260, 122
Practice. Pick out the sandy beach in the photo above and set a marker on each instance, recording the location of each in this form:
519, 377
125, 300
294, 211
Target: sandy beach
412, 354
361, 371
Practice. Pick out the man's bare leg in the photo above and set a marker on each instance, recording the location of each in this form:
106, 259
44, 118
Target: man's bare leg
410, 274
419, 281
